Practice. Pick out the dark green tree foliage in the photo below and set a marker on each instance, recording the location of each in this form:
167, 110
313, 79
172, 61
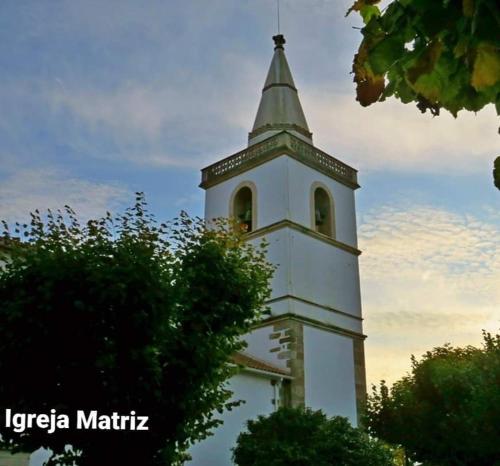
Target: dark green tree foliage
496, 172
446, 412
437, 53
124, 314
302, 437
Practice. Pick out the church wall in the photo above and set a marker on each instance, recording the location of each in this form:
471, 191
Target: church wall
329, 373
260, 343
307, 268
284, 193
314, 271
278, 251
300, 179
258, 393
324, 274
271, 184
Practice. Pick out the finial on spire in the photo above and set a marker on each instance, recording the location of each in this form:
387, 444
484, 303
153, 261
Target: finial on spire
279, 40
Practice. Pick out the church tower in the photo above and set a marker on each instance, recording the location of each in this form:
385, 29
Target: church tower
283, 188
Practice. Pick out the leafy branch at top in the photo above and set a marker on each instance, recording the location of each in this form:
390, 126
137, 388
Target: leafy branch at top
441, 54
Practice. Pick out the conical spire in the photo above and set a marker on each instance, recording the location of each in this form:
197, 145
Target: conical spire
279, 107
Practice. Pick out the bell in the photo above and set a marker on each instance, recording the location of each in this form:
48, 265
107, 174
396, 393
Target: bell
319, 217
247, 216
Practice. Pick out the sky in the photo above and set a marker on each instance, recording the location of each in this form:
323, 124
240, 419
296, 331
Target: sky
102, 99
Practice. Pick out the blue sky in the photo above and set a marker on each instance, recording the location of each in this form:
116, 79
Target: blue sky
101, 99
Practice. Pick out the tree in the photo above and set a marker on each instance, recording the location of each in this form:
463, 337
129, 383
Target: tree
440, 54
302, 437
123, 315
446, 412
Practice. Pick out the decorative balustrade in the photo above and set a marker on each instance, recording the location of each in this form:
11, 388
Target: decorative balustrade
319, 158
282, 143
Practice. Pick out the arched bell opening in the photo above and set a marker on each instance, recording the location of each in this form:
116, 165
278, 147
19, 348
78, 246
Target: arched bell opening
243, 208
323, 220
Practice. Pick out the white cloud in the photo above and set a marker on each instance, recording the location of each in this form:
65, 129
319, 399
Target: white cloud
187, 122
24, 191
429, 276
131, 108
178, 85
397, 137
205, 117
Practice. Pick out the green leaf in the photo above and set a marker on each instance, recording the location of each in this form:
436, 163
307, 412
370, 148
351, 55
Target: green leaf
486, 71
468, 8
385, 53
358, 5
392, 17
405, 93
426, 62
368, 12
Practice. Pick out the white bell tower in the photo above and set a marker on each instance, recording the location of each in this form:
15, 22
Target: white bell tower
301, 200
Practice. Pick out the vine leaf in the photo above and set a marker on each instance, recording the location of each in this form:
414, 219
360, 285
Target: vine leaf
369, 86
486, 66
425, 64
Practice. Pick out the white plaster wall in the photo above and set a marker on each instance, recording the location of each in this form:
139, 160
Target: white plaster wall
306, 267
272, 194
300, 179
260, 345
216, 450
329, 373
313, 270
284, 192
324, 274
278, 253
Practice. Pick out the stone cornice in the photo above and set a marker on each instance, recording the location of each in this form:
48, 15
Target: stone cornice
302, 229
275, 146
314, 323
312, 303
